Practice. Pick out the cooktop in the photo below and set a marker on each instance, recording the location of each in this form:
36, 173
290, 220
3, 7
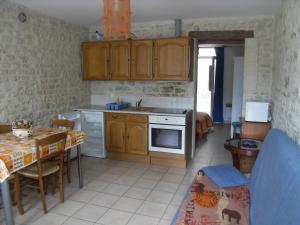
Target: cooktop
169, 111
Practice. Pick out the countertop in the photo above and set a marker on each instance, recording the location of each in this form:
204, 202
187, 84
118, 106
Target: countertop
133, 110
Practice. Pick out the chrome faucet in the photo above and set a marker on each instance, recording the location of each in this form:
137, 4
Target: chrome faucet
138, 103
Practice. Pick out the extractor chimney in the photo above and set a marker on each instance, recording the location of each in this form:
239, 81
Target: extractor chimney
178, 27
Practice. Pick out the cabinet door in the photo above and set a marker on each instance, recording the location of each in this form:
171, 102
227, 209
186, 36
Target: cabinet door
115, 136
120, 60
137, 136
172, 59
141, 60
95, 60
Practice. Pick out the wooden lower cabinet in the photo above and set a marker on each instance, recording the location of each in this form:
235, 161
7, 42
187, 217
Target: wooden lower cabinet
115, 136
127, 137
137, 138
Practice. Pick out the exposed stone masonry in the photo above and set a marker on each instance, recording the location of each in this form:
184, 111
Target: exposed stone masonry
286, 81
40, 66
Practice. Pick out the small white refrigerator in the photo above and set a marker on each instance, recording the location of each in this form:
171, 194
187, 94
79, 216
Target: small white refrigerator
92, 123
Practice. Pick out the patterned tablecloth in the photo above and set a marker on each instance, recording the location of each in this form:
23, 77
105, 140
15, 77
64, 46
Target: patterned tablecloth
16, 153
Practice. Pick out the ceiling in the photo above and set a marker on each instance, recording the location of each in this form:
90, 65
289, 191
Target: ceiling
89, 12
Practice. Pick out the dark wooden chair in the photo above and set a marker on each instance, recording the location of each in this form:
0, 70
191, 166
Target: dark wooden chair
44, 167
254, 130
69, 125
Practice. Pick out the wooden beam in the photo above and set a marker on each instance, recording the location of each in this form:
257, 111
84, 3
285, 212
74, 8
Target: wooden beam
221, 37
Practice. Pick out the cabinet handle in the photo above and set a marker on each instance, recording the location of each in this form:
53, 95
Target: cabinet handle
115, 116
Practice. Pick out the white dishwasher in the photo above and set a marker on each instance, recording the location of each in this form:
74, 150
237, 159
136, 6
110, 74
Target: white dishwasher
92, 123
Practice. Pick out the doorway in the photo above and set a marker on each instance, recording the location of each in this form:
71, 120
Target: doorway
206, 77
229, 90
213, 38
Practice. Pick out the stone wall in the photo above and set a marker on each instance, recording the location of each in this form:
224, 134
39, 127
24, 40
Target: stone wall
286, 81
259, 88
40, 66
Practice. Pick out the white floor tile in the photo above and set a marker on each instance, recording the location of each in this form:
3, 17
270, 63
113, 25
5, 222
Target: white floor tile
152, 209
103, 199
116, 189
165, 222
83, 196
127, 204
138, 193
108, 177
166, 186
73, 221
126, 180
28, 217
143, 220
145, 183
50, 219
95, 185
173, 178
91, 213
160, 197
170, 212
114, 217
153, 175
68, 208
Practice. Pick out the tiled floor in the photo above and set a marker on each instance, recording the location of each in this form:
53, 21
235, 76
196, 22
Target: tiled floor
123, 193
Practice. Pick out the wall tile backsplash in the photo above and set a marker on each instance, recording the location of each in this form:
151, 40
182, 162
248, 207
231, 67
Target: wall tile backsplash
40, 66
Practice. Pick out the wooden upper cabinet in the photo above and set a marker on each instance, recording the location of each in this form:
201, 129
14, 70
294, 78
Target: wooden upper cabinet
137, 138
141, 60
171, 61
115, 136
95, 60
120, 60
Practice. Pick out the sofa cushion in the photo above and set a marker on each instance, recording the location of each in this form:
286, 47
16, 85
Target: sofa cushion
206, 203
275, 182
225, 176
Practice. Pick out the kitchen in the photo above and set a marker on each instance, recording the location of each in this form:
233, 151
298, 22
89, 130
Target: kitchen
51, 67
165, 132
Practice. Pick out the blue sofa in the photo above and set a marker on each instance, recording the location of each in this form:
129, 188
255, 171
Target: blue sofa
273, 190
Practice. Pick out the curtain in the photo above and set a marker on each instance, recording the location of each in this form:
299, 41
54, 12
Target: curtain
218, 94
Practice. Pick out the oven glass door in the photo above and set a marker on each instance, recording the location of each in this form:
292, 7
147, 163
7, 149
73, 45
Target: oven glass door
167, 138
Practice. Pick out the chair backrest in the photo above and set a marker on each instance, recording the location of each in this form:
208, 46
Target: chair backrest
4, 128
275, 182
253, 130
50, 147
69, 125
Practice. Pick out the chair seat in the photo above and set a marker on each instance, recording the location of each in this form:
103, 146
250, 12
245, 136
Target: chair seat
32, 171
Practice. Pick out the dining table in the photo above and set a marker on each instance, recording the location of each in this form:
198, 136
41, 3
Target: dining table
18, 153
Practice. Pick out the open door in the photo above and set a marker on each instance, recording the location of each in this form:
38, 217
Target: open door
211, 84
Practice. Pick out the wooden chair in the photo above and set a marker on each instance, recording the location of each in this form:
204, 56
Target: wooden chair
254, 130
69, 125
43, 168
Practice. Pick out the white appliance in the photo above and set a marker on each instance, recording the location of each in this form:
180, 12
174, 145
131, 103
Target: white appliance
257, 112
92, 123
75, 117
167, 134
237, 91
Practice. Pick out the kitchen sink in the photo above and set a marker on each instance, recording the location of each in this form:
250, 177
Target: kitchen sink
140, 109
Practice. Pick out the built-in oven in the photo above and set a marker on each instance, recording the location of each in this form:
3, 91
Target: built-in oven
167, 134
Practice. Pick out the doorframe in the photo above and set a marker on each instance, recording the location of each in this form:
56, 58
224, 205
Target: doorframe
210, 37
